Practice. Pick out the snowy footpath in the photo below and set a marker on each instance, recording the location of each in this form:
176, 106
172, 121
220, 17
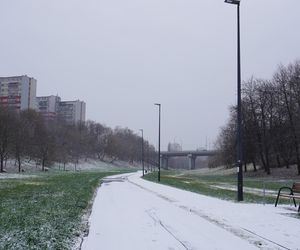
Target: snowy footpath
130, 213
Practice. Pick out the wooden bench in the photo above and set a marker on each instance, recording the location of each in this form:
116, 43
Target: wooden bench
294, 193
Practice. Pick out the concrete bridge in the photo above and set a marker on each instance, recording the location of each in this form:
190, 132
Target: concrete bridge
192, 155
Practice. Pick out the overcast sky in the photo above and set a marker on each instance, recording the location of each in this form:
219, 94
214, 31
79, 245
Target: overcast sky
122, 56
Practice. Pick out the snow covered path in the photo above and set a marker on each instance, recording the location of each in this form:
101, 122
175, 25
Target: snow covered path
130, 213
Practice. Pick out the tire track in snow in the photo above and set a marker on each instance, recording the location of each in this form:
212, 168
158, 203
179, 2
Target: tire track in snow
254, 239
266, 239
262, 242
153, 217
153, 192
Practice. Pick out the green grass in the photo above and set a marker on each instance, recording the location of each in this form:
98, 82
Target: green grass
45, 212
203, 184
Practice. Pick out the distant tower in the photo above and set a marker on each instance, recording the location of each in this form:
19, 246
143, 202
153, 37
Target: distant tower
174, 147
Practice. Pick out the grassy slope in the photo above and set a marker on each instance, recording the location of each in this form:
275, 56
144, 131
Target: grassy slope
45, 212
203, 184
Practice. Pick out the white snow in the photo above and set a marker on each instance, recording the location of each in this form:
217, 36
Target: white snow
15, 176
133, 214
256, 191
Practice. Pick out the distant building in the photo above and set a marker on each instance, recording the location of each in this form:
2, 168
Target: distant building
69, 111
174, 147
48, 106
72, 111
18, 92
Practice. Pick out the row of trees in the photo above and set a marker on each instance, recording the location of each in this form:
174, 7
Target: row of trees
270, 120
26, 135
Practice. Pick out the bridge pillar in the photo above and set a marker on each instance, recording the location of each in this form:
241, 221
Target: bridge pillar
164, 161
192, 161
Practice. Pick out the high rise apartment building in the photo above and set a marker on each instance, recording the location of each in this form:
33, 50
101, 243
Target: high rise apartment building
52, 107
47, 106
72, 111
18, 92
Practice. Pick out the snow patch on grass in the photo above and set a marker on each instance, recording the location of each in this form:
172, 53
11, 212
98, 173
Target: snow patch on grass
45, 212
15, 176
249, 190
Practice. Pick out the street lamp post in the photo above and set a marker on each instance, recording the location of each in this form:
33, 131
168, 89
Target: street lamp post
147, 156
239, 106
143, 150
159, 106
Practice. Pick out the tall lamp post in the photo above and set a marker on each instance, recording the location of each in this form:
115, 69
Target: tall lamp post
239, 106
147, 156
159, 108
143, 150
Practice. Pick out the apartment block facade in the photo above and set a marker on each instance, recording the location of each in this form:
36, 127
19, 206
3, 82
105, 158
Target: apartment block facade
72, 111
52, 107
18, 92
47, 106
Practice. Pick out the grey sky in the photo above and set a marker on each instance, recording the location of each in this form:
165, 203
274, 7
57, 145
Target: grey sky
121, 56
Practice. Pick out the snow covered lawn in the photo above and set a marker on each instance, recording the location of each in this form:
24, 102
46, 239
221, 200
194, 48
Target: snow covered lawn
45, 212
135, 214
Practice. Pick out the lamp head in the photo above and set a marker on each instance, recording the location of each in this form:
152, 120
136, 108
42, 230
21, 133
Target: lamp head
233, 1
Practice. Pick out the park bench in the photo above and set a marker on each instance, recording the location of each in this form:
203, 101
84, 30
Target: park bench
294, 193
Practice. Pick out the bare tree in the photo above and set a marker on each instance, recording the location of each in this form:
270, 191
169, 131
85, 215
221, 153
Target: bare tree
7, 120
287, 78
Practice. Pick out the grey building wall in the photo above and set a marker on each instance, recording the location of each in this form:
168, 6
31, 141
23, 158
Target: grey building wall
18, 92
72, 111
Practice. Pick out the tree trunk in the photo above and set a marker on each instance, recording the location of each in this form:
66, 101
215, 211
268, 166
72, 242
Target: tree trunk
254, 166
298, 164
278, 161
293, 128
1, 163
262, 160
43, 164
287, 163
19, 165
267, 163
